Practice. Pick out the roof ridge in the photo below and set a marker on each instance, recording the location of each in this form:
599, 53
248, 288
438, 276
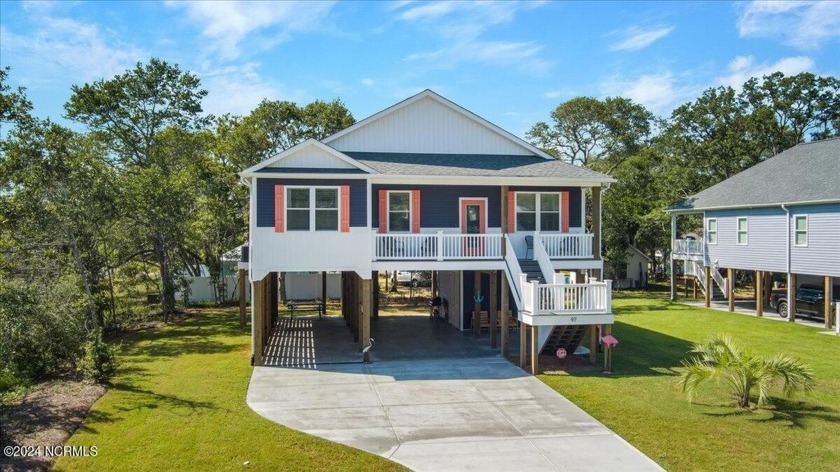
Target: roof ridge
817, 141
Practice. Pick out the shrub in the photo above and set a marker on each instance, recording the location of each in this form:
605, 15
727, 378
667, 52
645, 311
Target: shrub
719, 358
41, 331
99, 361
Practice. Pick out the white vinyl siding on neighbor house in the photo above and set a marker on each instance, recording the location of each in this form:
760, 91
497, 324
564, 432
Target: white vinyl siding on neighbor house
711, 231
821, 256
766, 239
742, 238
538, 211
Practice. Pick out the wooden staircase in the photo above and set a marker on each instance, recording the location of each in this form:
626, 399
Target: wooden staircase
531, 268
695, 270
567, 337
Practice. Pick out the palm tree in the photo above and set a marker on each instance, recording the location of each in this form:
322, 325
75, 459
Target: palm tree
742, 370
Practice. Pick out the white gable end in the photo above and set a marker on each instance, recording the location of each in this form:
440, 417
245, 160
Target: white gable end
427, 126
311, 157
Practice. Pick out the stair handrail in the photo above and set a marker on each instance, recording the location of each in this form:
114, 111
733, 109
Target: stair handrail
543, 260
693, 268
719, 280
513, 272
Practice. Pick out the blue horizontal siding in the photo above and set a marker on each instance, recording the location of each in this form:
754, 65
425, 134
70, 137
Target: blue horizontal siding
439, 206
439, 203
575, 195
265, 198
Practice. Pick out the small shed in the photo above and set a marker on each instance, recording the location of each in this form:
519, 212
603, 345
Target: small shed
636, 270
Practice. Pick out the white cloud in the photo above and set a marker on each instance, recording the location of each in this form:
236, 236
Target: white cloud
742, 68
429, 10
524, 55
635, 38
61, 48
229, 23
238, 89
553, 94
461, 26
658, 92
802, 24
368, 82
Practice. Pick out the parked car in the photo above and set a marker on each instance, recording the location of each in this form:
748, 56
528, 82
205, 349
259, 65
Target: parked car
414, 278
809, 300
405, 277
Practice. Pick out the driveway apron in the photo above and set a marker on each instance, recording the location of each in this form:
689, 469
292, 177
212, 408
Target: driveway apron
479, 413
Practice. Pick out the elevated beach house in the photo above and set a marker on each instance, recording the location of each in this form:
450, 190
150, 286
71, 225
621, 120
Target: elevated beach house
428, 185
781, 216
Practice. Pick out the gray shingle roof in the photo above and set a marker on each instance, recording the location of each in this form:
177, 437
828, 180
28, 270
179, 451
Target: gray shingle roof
481, 165
808, 172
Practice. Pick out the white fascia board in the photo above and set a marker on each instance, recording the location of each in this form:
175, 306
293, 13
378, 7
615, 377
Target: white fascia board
449, 104
486, 180
251, 171
690, 211
297, 175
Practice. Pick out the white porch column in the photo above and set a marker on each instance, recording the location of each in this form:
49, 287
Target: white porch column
671, 257
596, 227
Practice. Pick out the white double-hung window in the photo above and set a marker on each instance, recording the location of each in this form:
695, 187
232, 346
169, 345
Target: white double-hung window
743, 236
711, 231
538, 210
399, 212
801, 230
309, 208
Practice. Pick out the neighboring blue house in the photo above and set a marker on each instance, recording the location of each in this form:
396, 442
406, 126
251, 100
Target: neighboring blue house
780, 216
428, 185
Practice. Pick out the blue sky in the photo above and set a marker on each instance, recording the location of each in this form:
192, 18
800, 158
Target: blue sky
510, 62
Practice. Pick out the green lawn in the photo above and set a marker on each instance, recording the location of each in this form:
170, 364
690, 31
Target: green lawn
178, 403
640, 403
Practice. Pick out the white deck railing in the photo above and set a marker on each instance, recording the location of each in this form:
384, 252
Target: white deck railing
438, 246
687, 247
567, 299
567, 246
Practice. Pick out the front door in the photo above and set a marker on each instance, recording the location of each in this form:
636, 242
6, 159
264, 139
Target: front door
473, 222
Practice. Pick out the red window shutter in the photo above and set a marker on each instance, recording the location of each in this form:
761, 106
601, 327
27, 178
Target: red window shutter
511, 216
345, 209
415, 211
564, 212
279, 208
383, 211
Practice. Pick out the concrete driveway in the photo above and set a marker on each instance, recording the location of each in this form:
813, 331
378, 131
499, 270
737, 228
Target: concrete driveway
442, 414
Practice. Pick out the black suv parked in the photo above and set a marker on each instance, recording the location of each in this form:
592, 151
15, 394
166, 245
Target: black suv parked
809, 300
